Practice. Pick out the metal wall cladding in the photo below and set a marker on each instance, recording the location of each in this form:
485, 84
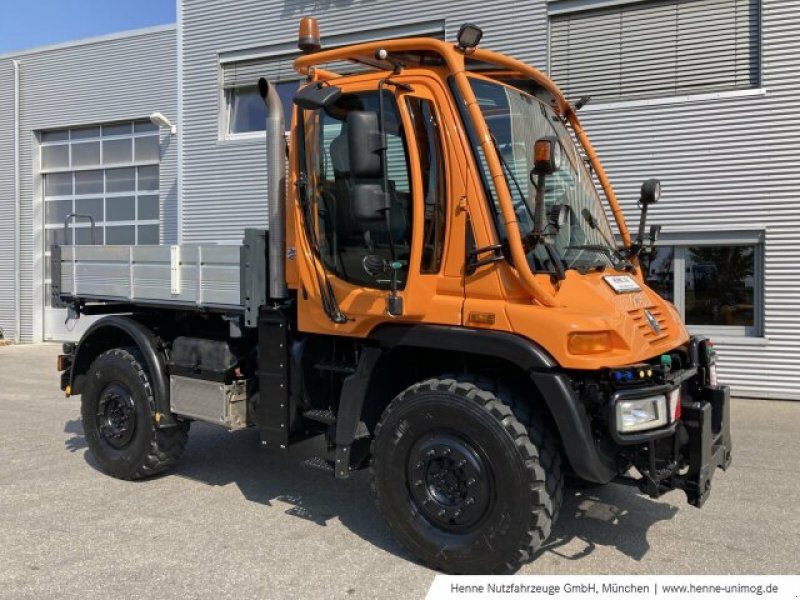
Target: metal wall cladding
728, 163
224, 181
7, 200
93, 81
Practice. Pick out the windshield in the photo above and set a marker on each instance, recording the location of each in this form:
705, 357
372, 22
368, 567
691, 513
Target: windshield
516, 120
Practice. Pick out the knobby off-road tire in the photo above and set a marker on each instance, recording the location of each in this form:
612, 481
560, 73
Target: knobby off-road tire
118, 408
464, 485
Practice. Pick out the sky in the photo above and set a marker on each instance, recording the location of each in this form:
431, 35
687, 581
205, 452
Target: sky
29, 23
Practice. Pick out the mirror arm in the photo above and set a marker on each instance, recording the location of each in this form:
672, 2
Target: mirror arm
635, 249
473, 264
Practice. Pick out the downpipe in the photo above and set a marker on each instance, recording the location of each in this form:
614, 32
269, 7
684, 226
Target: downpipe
276, 188
17, 212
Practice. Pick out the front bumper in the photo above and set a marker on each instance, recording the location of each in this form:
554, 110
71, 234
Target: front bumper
686, 454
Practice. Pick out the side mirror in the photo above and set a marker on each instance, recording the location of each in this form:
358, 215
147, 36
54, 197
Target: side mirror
651, 192
317, 95
365, 152
655, 233
365, 146
547, 156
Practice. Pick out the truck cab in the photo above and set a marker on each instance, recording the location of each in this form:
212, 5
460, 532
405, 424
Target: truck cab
440, 294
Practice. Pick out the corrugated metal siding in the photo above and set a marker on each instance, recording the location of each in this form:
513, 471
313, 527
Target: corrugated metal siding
728, 163
7, 199
725, 163
224, 182
108, 80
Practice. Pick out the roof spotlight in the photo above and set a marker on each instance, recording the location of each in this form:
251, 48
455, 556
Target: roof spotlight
469, 36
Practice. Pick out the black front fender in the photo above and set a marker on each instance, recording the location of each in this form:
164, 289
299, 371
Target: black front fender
567, 411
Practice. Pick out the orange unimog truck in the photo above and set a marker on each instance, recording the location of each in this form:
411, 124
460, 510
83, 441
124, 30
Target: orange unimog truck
439, 294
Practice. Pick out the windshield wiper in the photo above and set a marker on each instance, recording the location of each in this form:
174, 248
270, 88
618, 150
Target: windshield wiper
617, 261
621, 260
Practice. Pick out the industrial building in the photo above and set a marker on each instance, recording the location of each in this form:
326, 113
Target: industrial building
698, 93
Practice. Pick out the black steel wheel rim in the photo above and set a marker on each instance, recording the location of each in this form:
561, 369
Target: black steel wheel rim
450, 483
116, 415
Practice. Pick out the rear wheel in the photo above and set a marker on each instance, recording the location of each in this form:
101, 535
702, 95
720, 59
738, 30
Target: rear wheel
464, 485
118, 412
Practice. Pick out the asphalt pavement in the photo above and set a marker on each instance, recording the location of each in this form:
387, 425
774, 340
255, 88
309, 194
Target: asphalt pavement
236, 521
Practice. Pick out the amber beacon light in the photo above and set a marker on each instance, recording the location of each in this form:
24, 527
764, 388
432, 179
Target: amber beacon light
308, 35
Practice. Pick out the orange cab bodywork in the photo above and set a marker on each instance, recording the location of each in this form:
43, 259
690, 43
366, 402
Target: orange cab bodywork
497, 296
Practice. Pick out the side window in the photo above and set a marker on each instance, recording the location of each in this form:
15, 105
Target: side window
344, 240
434, 192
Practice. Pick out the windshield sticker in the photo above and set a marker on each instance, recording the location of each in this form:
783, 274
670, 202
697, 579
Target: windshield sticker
622, 284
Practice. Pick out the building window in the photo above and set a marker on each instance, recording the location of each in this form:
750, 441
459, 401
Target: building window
246, 109
716, 285
108, 172
655, 48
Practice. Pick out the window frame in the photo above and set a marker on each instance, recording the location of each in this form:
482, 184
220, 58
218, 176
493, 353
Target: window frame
681, 241
442, 183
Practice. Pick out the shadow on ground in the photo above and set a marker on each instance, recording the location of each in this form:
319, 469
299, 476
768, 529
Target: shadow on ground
611, 516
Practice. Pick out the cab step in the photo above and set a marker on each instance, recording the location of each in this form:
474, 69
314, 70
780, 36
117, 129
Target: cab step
342, 368
325, 416
320, 464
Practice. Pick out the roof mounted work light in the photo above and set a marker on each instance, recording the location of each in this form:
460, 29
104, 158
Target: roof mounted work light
469, 36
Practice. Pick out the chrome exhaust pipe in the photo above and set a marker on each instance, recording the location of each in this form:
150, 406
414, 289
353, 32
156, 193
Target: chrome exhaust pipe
276, 188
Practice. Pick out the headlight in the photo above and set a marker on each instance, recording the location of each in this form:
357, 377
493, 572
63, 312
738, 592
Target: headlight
641, 414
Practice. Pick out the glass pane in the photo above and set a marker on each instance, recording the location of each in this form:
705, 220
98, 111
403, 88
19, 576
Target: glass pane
59, 135
660, 272
146, 148
117, 151
56, 211
120, 180
148, 179
88, 182
148, 234
720, 285
58, 184
55, 157
123, 235
83, 236
434, 195
346, 237
81, 133
92, 207
118, 129
120, 209
144, 126
148, 208
86, 154
247, 110
286, 90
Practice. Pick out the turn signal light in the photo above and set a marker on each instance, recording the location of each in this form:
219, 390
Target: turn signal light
589, 343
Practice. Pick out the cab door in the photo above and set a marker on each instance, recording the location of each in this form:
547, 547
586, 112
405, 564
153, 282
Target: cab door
340, 254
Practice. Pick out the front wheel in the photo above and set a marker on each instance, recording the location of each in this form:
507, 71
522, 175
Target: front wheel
118, 409
463, 484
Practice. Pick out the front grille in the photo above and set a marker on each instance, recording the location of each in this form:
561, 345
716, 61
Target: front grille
647, 332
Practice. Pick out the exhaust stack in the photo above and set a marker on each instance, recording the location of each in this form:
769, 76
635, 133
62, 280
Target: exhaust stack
276, 188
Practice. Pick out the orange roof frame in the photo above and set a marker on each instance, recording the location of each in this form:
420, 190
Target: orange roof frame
454, 59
